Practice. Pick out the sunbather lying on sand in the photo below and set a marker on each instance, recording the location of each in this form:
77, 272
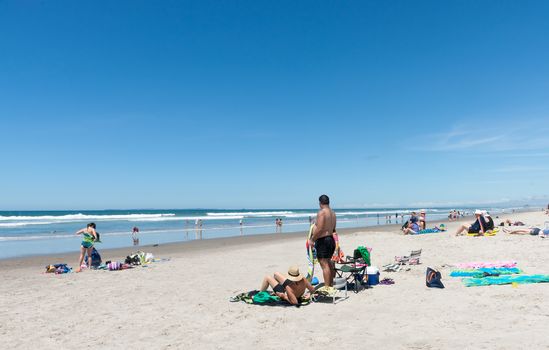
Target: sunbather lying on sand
525, 230
289, 287
514, 223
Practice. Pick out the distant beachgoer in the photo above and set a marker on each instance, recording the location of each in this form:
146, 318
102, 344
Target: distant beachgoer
323, 239
422, 220
135, 237
240, 223
310, 220
489, 221
412, 229
479, 226
89, 236
289, 287
534, 231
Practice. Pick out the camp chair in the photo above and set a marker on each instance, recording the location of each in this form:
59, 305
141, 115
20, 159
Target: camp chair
353, 270
412, 259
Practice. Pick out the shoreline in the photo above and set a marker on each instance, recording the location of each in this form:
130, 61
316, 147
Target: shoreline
205, 245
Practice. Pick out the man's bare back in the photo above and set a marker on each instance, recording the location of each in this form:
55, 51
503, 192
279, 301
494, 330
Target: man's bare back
325, 223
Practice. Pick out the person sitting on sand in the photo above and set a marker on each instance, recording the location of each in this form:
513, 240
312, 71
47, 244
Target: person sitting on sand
479, 226
489, 220
412, 229
290, 287
422, 220
89, 236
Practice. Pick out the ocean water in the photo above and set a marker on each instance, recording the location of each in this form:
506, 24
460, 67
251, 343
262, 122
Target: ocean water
25, 233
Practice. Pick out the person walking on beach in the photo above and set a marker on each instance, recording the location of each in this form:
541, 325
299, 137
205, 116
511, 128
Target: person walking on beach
135, 237
89, 236
323, 239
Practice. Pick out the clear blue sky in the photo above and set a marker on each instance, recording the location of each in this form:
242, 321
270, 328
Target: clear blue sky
182, 104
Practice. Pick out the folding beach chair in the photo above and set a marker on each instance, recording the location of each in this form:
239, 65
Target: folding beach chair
412, 259
353, 270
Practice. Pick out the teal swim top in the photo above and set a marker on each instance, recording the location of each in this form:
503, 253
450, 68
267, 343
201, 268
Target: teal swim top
87, 238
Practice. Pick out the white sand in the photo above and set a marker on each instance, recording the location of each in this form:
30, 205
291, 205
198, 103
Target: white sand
183, 303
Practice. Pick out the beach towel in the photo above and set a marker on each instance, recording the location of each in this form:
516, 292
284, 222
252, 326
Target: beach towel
267, 298
311, 255
508, 279
429, 230
365, 252
486, 271
488, 233
480, 264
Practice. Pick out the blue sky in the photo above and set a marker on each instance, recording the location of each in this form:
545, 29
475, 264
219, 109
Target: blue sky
185, 104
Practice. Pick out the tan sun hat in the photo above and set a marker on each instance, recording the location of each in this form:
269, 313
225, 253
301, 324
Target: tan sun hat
293, 274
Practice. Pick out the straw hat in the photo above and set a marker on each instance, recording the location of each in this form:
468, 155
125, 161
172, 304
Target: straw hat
478, 212
293, 274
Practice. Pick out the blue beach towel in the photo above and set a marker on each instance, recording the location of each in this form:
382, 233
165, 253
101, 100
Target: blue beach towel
492, 280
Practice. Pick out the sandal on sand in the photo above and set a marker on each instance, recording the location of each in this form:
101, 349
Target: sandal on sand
387, 281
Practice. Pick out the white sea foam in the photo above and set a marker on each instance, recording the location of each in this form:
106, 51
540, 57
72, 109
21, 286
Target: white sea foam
190, 218
24, 223
253, 213
82, 217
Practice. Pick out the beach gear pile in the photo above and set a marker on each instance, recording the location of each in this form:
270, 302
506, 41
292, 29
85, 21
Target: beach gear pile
58, 269
494, 273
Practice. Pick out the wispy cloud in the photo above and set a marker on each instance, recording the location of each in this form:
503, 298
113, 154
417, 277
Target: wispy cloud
499, 136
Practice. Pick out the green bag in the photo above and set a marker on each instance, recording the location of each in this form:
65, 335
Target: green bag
365, 255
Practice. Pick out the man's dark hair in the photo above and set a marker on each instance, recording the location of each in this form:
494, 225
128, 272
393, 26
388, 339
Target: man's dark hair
324, 200
91, 224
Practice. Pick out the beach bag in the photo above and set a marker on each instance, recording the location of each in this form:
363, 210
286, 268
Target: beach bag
433, 278
96, 258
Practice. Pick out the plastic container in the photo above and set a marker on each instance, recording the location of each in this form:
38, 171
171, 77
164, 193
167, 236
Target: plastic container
373, 275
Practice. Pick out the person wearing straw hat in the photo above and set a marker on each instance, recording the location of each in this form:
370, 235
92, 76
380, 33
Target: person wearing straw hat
287, 287
479, 226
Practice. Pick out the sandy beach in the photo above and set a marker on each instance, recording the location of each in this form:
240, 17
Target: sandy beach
184, 303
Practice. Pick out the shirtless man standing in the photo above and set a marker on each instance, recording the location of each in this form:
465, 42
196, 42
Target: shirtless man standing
323, 239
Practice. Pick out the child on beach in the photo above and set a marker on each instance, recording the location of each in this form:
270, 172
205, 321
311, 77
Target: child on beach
135, 237
89, 236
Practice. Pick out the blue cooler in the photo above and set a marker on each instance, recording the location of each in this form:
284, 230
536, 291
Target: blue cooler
373, 275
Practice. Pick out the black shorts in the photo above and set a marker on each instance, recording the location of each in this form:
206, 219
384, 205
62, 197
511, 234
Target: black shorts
325, 247
281, 288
